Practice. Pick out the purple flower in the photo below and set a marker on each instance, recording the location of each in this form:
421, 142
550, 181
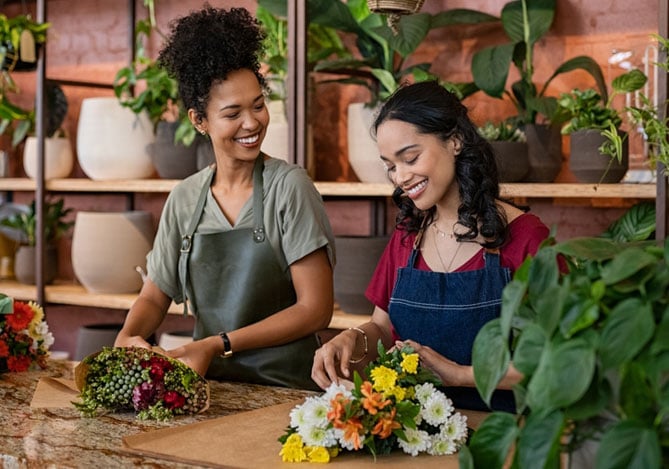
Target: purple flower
144, 395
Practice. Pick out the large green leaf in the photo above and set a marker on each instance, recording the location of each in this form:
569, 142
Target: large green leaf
539, 441
544, 274
589, 248
540, 14
636, 224
629, 327
333, 15
6, 304
564, 373
628, 262
412, 31
549, 305
587, 64
636, 395
490, 358
528, 352
512, 296
491, 442
629, 445
490, 69
457, 16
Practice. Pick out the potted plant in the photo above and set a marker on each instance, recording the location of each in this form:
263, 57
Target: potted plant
23, 227
590, 339
599, 149
509, 144
173, 152
19, 36
525, 22
58, 157
379, 63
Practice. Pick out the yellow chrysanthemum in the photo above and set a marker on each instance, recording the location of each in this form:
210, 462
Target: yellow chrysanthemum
317, 454
399, 392
410, 363
384, 379
293, 449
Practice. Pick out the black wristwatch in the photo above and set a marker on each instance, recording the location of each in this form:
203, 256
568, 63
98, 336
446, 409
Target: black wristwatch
227, 348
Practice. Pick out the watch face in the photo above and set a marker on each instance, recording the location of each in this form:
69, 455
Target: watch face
227, 348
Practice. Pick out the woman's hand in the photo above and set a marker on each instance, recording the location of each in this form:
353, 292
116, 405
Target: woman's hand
131, 341
197, 354
333, 358
449, 372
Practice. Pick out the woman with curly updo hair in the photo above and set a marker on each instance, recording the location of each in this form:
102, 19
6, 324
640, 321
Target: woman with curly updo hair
455, 246
245, 243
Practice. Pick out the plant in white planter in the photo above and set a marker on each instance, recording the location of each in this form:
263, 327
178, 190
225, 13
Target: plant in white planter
58, 156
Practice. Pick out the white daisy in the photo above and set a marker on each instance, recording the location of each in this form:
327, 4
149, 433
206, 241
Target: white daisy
417, 441
316, 412
317, 436
424, 391
436, 409
440, 445
455, 428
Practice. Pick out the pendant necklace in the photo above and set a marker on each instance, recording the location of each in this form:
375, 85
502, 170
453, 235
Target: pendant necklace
436, 248
443, 234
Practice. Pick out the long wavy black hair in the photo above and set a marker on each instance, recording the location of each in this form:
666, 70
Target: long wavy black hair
207, 45
432, 109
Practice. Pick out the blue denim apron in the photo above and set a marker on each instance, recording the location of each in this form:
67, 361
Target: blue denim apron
445, 311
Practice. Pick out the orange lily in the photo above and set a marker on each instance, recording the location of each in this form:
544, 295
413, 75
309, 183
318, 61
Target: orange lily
373, 401
337, 410
352, 429
385, 426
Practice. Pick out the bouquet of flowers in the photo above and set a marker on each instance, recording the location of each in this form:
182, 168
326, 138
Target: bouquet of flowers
399, 408
155, 386
24, 335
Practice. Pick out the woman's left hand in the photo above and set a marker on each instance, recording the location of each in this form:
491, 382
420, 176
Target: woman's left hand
197, 354
449, 372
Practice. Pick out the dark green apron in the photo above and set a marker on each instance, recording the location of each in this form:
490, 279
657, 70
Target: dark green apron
234, 278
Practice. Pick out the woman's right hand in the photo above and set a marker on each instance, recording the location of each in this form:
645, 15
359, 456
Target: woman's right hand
332, 358
131, 341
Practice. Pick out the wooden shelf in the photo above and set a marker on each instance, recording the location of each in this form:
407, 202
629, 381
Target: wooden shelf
73, 294
348, 189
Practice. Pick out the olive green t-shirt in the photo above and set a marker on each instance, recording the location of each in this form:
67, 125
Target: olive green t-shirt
295, 221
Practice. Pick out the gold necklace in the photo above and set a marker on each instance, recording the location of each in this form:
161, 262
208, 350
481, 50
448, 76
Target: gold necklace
441, 233
441, 259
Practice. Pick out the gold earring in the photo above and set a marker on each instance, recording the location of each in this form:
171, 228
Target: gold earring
203, 132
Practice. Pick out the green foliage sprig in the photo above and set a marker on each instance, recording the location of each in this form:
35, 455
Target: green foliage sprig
25, 223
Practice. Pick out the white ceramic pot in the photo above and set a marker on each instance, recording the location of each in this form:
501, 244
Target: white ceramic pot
276, 138
112, 140
363, 154
107, 248
58, 157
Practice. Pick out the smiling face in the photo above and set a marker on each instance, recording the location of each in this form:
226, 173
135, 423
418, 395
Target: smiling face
422, 165
236, 116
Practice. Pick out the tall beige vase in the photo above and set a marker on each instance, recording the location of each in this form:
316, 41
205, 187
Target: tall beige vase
363, 153
112, 140
107, 248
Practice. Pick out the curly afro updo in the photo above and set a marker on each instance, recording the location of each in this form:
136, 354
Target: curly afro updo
205, 46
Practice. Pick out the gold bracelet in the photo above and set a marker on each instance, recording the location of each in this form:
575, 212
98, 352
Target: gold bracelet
364, 337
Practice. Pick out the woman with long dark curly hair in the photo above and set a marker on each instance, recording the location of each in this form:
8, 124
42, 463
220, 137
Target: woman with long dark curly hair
245, 243
454, 249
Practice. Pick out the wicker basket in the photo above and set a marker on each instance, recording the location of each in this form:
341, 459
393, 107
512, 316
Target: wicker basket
395, 7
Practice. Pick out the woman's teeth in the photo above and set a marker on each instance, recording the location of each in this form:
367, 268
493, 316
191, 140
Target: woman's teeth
417, 188
249, 140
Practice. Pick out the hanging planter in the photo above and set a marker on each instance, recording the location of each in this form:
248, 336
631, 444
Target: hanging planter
394, 9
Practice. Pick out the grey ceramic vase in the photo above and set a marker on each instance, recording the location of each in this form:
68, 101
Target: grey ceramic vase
172, 160
544, 145
357, 257
24, 264
512, 160
588, 164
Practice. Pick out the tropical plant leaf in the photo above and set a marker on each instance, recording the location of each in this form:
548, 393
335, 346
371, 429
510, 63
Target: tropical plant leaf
629, 327
636, 224
457, 16
564, 373
587, 64
629, 445
539, 440
529, 349
490, 359
490, 68
588, 248
491, 442
626, 264
540, 14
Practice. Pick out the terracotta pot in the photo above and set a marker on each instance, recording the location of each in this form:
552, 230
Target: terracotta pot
58, 157
108, 247
25, 260
112, 140
589, 165
357, 257
172, 160
512, 160
544, 145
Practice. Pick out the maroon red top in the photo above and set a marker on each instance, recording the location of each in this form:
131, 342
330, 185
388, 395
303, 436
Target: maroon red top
526, 232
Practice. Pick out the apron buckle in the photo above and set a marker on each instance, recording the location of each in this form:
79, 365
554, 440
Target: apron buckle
186, 243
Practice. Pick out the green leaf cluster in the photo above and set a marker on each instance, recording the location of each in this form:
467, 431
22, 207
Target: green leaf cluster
25, 222
15, 119
586, 322
525, 22
379, 59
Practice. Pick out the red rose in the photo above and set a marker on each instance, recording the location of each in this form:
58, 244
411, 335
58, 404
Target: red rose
174, 400
18, 363
4, 349
21, 316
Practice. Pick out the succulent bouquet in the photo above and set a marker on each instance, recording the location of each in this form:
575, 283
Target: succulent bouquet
399, 407
157, 387
24, 335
